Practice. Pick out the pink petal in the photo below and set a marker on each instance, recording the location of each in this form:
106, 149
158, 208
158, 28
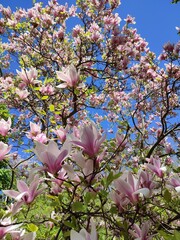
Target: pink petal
61, 157
11, 193
22, 186
123, 187
62, 76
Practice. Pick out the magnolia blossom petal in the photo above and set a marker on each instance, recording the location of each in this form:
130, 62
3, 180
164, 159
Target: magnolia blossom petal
177, 189
22, 186
29, 236
143, 191
93, 231
11, 193
4, 150
53, 147
145, 229
62, 85
123, 186
76, 236
131, 180
62, 76
61, 157
90, 139
21, 195
70, 76
71, 173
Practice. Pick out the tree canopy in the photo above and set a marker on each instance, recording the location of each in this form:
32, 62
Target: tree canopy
93, 132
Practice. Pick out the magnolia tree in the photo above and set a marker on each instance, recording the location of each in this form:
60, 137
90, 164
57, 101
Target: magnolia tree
94, 132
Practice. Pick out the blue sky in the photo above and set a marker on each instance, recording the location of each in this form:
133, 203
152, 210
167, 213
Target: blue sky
155, 19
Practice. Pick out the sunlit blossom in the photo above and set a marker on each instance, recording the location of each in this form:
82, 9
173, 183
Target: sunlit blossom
5, 126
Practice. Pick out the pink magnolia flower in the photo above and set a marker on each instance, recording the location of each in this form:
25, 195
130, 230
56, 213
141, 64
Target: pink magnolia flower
36, 134
69, 76
130, 187
72, 175
41, 137
90, 139
35, 129
156, 167
146, 180
6, 226
140, 233
87, 167
175, 182
21, 235
25, 194
130, 20
84, 235
5, 126
4, 149
28, 76
56, 182
77, 30
13, 208
120, 200
22, 93
47, 90
51, 156
121, 141
61, 133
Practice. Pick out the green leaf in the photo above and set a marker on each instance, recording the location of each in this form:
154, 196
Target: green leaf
2, 212
32, 227
44, 97
69, 224
165, 235
78, 207
8, 236
167, 196
114, 210
110, 178
89, 196
57, 112
36, 88
176, 235
51, 107
177, 170
27, 150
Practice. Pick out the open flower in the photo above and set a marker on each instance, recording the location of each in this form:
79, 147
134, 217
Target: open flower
28, 76
130, 188
35, 129
36, 134
61, 133
25, 194
90, 139
121, 141
21, 235
5, 126
69, 76
84, 235
140, 233
56, 182
6, 226
22, 93
4, 149
156, 167
51, 156
175, 182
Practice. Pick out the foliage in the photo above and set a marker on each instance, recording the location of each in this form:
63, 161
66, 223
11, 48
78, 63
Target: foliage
92, 139
5, 173
175, 1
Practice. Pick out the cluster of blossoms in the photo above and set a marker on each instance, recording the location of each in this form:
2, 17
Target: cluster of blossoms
93, 124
